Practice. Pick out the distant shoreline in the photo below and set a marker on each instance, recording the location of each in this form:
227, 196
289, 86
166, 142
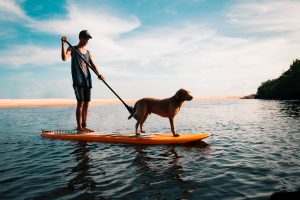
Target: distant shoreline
15, 103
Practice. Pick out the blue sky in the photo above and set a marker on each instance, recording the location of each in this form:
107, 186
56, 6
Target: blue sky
148, 48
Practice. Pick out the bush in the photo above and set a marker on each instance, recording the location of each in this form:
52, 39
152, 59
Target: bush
287, 86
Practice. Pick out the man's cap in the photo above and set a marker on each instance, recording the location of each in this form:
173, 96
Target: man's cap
85, 34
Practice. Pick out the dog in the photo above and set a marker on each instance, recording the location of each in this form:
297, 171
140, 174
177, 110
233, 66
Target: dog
168, 107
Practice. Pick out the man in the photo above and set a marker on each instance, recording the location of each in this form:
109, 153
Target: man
82, 82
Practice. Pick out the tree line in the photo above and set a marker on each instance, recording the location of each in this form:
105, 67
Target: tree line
287, 86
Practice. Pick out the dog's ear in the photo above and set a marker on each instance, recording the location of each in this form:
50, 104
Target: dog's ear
178, 94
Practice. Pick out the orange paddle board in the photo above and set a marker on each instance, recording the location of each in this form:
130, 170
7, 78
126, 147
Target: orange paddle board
145, 138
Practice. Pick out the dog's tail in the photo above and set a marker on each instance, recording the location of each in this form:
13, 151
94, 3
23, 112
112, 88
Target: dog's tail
133, 112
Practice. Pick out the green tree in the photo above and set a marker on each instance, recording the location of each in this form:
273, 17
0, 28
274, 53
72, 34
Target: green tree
287, 86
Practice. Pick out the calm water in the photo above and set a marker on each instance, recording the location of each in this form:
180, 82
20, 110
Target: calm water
253, 152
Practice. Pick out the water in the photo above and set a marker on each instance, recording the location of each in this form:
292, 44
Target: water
253, 152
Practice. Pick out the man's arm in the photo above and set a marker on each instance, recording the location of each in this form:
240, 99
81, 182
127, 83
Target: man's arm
95, 67
65, 55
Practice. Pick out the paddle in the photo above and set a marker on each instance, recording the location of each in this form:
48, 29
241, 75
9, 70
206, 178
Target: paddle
129, 108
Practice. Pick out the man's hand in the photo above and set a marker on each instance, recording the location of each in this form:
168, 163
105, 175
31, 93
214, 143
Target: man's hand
64, 39
65, 55
101, 77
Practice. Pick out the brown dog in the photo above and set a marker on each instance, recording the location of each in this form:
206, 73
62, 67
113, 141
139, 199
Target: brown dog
168, 107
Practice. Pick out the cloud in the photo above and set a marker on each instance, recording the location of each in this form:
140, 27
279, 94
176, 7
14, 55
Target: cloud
268, 15
98, 22
9, 10
190, 54
29, 54
281, 44
78, 18
103, 26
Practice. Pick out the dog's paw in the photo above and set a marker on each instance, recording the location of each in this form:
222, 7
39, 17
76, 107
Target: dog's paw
143, 131
176, 135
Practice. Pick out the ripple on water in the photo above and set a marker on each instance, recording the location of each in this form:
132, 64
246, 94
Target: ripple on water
253, 152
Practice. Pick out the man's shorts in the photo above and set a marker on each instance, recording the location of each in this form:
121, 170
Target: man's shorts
83, 94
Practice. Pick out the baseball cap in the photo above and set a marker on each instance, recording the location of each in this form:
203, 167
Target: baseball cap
85, 34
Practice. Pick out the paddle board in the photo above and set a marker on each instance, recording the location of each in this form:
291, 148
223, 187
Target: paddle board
145, 138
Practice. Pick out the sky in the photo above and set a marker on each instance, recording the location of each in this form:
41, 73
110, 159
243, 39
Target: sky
148, 48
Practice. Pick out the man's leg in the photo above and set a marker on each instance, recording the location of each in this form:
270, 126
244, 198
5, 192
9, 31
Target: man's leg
79, 96
79, 111
87, 99
84, 113
84, 116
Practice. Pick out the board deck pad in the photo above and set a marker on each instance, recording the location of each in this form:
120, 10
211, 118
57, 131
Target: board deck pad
125, 137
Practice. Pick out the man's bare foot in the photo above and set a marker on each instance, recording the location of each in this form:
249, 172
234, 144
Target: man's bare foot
88, 130
175, 134
80, 130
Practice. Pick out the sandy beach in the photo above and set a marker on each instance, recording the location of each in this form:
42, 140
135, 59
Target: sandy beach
13, 103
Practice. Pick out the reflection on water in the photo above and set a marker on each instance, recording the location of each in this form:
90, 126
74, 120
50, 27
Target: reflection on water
201, 145
82, 181
159, 175
252, 153
290, 108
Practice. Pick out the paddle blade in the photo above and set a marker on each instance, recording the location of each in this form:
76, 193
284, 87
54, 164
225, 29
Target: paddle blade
130, 110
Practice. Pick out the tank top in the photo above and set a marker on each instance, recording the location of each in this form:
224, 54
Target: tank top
80, 71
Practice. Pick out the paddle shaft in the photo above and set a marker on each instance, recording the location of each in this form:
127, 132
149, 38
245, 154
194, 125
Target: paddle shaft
130, 109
